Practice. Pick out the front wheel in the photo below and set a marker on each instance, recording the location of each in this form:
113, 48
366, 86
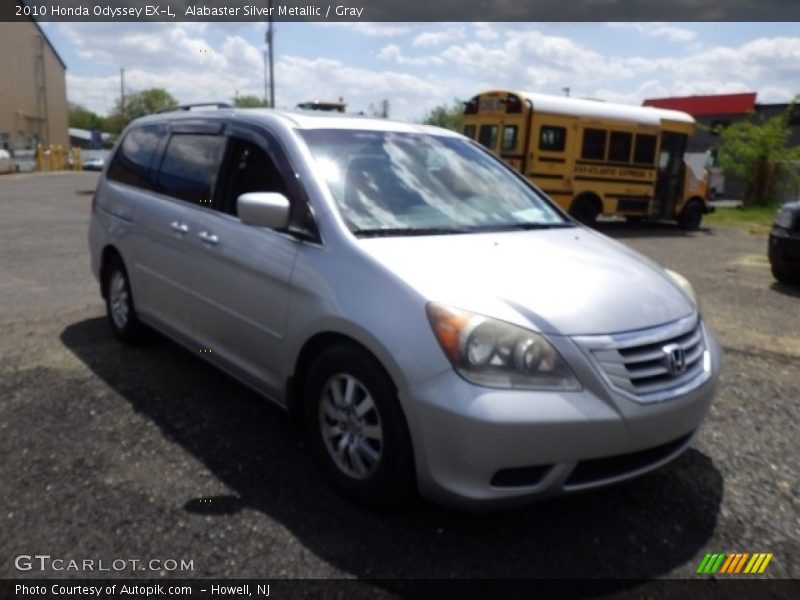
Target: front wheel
692, 216
357, 428
586, 210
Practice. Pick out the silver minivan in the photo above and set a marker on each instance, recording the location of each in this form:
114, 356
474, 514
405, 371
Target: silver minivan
431, 318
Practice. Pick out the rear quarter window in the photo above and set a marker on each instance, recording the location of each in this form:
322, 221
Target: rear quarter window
135, 160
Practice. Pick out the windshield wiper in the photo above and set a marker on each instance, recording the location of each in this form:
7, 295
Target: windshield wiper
524, 226
403, 231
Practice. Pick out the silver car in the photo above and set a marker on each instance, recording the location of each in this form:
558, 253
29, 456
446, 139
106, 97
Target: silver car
433, 320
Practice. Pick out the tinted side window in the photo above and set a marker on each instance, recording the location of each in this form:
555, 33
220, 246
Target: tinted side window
133, 163
251, 170
644, 152
190, 167
509, 138
552, 138
619, 149
487, 136
594, 144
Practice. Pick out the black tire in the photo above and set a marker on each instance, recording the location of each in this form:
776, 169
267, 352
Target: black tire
389, 481
692, 216
586, 210
120, 308
783, 274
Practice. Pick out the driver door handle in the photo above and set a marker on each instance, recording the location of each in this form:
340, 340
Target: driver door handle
179, 227
208, 237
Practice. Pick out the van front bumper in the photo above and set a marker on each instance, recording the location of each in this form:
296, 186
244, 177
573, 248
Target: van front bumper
489, 448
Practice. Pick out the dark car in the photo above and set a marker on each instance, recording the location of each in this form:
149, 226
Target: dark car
784, 244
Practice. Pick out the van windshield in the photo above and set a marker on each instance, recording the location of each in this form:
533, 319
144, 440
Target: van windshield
389, 183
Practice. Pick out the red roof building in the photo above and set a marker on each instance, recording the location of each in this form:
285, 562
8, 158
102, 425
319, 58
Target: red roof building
717, 105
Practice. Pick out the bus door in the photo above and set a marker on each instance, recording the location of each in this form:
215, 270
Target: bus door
669, 184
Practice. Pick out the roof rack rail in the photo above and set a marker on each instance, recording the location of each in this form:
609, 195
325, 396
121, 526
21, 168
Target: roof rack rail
191, 106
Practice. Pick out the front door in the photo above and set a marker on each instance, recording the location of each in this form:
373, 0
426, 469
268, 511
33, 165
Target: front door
243, 282
669, 184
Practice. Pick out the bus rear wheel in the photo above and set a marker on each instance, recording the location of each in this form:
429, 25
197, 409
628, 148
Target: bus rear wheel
585, 209
692, 215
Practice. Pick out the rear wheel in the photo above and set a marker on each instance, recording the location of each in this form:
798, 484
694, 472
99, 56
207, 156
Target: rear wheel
357, 428
120, 309
585, 209
692, 215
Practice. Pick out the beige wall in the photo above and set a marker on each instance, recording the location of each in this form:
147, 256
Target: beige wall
23, 110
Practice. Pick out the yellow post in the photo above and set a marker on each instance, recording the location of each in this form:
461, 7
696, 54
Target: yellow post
59, 158
39, 157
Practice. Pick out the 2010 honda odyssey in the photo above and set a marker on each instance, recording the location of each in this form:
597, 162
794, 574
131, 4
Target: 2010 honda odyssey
435, 320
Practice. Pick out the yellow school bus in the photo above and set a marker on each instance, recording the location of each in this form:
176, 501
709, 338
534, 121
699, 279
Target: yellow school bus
594, 157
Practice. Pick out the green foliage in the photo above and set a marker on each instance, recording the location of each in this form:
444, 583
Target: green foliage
449, 117
138, 105
82, 118
248, 102
756, 152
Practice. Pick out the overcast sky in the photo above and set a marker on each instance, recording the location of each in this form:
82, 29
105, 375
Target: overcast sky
418, 66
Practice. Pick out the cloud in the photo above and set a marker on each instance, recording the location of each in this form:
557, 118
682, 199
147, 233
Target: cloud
436, 38
372, 29
672, 33
393, 53
485, 31
302, 78
416, 78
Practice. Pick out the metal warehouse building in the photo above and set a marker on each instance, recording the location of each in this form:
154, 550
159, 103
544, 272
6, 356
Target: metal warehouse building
33, 89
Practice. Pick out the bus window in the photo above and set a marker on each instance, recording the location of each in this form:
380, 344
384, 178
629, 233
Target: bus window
552, 138
509, 138
469, 131
644, 153
488, 136
594, 144
619, 149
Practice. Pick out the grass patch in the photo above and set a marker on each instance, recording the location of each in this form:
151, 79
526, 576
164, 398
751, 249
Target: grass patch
755, 219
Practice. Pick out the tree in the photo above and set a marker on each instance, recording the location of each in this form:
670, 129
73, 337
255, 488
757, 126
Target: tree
138, 105
755, 151
449, 117
248, 102
82, 118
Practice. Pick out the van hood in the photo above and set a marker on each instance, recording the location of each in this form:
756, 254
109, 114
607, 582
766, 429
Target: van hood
568, 281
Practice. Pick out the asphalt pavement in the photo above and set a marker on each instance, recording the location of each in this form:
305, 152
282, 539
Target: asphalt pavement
145, 452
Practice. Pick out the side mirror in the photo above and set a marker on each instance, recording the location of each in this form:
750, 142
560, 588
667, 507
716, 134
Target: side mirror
264, 209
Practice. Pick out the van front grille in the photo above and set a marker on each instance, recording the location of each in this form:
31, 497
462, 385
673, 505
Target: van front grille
652, 364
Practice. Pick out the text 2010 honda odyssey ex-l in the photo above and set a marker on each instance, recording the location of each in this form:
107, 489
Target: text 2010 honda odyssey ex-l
435, 320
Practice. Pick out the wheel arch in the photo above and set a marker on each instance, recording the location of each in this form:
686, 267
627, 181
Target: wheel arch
311, 349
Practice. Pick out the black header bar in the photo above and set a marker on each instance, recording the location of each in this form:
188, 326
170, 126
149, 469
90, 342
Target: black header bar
400, 10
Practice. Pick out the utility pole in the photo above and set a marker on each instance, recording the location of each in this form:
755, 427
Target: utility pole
122, 94
270, 49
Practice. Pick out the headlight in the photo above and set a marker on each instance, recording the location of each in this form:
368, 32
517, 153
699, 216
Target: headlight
684, 284
784, 218
497, 354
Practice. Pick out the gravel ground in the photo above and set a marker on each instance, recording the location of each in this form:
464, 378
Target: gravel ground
111, 452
